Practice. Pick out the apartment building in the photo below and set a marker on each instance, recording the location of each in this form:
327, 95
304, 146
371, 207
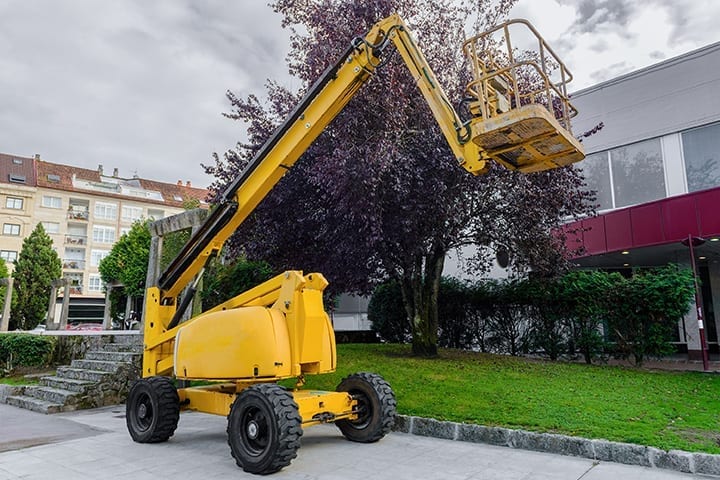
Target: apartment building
84, 211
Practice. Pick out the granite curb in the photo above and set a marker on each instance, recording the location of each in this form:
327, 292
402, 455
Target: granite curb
598, 449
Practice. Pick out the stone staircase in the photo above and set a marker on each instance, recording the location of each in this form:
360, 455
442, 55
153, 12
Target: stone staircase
102, 378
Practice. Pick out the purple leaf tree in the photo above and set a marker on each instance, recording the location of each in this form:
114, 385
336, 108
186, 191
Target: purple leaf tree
379, 195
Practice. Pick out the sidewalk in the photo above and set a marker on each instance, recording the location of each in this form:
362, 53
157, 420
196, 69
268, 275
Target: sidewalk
94, 444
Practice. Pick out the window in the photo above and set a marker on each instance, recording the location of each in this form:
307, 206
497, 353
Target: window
96, 256
16, 178
17, 161
637, 173
53, 178
14, 202
11, 229
130, 214
95, 283
596, 170
51, 227
51, 202
8, 255
107, 211
701, 150
103, 234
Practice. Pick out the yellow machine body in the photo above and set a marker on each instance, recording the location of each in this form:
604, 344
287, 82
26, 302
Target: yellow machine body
254, 344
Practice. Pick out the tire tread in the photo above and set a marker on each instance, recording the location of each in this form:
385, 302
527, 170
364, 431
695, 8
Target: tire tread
289, 425
387, 408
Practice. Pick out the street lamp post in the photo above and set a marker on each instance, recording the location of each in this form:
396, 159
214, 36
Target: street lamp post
691, 243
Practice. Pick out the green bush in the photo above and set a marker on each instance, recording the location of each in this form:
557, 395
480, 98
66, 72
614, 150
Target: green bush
576, 313
387, 313
26, 350
645, 310
454, 314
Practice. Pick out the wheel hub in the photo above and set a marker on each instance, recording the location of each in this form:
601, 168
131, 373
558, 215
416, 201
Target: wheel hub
142, 411
253, 430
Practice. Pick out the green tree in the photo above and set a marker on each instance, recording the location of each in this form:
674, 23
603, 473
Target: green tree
3, 274
127, 262
37, 266
224, 281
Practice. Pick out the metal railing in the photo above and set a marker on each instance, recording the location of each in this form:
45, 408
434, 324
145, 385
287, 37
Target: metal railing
505, 78
72, 264
75, 239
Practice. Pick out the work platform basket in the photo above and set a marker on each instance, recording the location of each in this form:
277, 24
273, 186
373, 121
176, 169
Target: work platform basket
519, 100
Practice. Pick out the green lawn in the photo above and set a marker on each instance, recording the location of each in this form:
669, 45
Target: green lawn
668, 410
18, 380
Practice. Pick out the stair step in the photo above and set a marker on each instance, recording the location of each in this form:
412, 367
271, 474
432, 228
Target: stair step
65, 383
34, 404
126, 357
134, 338
82, 374
53, 395
123, 347
96, 365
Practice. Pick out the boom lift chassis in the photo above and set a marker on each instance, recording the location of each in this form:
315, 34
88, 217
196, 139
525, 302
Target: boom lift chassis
279, 330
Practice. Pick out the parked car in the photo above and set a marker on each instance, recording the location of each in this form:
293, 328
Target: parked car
85, 326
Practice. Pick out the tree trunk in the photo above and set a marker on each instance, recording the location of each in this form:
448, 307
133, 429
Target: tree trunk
420, 288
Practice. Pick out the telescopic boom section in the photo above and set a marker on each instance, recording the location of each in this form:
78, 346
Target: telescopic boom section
325, 99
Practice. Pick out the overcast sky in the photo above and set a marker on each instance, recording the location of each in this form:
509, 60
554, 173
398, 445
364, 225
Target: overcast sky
140, 85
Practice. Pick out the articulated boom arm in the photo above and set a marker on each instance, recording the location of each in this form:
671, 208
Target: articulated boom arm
280, 329
325, 99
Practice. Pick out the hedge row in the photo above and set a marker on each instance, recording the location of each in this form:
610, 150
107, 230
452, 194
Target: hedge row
582, 312
25, 350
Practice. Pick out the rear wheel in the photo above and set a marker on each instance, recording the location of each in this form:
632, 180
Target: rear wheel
152, 410
376, 407
264, 428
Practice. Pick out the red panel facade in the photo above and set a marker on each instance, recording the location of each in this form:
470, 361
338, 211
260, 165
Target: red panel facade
660, 222
594, 235
708, 209
647, 224
618, 230
680, 218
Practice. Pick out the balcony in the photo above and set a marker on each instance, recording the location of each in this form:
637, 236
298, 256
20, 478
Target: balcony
75, 240
76, 214
76, 290
71, 264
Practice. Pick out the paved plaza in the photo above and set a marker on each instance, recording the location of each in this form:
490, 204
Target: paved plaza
94, 444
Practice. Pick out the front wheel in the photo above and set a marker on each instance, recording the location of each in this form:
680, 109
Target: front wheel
152, 410
264, 428
376, 407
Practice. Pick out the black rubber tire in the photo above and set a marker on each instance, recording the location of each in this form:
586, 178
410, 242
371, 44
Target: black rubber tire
376, 407
264, 428
152, 410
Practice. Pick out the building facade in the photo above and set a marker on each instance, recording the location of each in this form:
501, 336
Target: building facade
655, 165
84, 211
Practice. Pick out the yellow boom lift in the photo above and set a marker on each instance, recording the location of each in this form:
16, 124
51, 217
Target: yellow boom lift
279, 330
